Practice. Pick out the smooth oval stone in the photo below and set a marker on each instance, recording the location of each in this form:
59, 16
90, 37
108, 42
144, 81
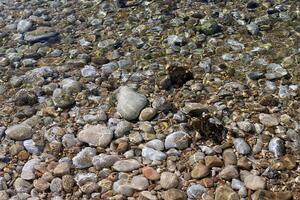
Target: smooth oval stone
19, 132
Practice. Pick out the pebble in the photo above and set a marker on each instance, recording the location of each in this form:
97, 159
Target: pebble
174, 194
96, 135
179, 140
268, 120
241, 146
150, 173
229, 157
168, 180
195, 191
40, 34
156, 144
153, 154
229, 172
126, 165
28, 169
62, 169
200, 171
147, 114
145, 195
84, 158
56, 185
122, 128
254, 182
276, 146
130, 103
19, 132
31, 147
24, 26
213, 161
104, 161
245, 126
139, 183
22, 186
224, 192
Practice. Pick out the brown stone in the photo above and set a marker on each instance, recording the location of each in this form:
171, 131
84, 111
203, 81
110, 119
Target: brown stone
200, 171
268, 195
174, 194
61, 169
41, 184
213, 161
229, 157
23, 155
244, 163
151, 173
207, 182
224, 192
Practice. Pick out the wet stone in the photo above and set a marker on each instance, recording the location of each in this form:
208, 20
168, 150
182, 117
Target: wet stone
41, 34
130, 103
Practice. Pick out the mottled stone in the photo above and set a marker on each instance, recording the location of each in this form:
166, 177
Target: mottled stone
96, 135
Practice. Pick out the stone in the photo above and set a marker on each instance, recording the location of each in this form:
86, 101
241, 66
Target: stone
224, 192
122, 128
254, 182
126, 165
236, 184
179, 140
213, 161
244, 163
56, 185
19, 132
122, 187
88, 71
22, 186
268, 120
229, 157
229, 172
146, 195
253, 28
195, 192
84, 158
268, 195
200, 171
104, 161
40, 34
25, 97
28, 169
147, 114
139, 183
70, 85
83, 178
41, 184
174, 194
168, 180
150, 173
275, 71
62, 99
245, 126
68, 183
3, 195
209, 27
96, 135
276, 146
152, 154
24, 26
241, 146
32, 147
62, 169
156, 144
90, 187
130, 103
